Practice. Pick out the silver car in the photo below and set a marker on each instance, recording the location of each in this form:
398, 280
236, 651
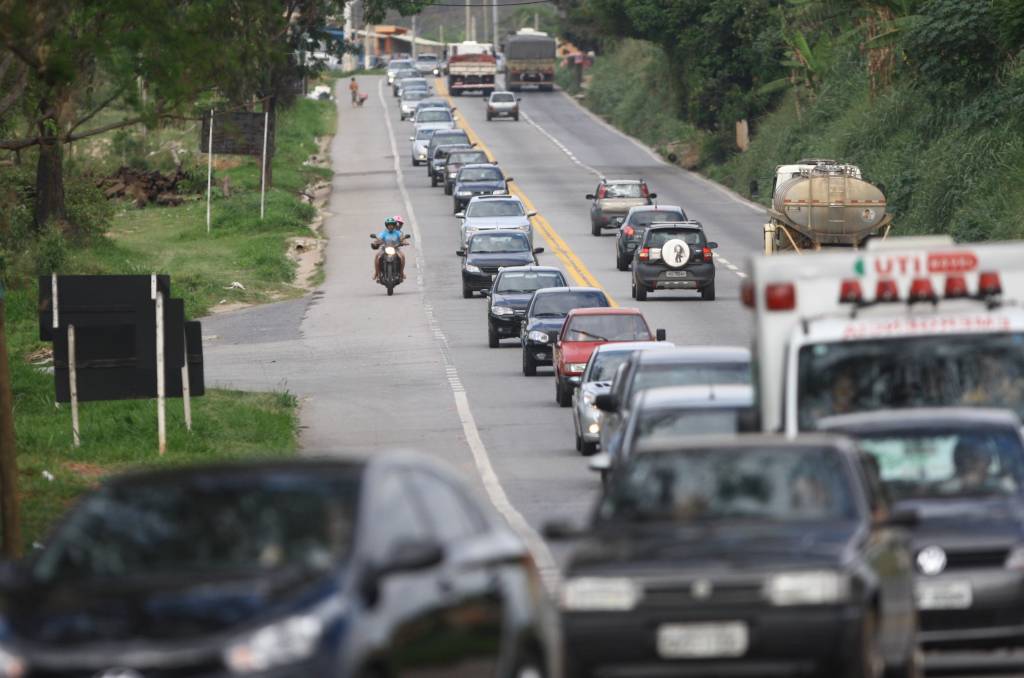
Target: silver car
428, 64
421, 139
503, 105
595, 381
396, 65
411, 99
494, 212
412, 83
435, 116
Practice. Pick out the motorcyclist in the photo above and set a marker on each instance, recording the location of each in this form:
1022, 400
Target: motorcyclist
391, 235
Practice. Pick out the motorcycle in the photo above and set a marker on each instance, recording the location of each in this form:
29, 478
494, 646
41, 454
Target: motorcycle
390, 265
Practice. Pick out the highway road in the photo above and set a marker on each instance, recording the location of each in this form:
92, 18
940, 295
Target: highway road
414, 371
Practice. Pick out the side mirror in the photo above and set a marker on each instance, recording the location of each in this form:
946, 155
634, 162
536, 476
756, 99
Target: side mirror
600, 462
405, 557
509, 179
485, 293
560, 530
412, 138
538, 250
531, 214
653, 196
590, 196
460, 253
373, 235
460, 215
903, 517
713, 245
660, 334
607, 402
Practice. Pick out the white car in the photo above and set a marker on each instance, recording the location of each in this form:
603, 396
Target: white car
495, 212
435, 116
396, 65
428, 64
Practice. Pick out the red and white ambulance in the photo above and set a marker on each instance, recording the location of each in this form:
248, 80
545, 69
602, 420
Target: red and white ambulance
905, 322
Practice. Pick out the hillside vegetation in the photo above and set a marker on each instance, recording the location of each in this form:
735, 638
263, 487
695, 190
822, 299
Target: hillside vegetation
925, 96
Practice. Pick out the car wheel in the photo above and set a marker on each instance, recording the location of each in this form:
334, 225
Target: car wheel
579, 443
622, 263
492, 336
868, 662
707, 293
563, 396
433, 180
588, 448
632, 290
604, 478
467, 293
489, 117
516, 117
641, 291
529, 365
447, 189
595, 229
414, 163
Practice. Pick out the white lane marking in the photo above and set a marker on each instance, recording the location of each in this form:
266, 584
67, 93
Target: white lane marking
492, 484
562, 147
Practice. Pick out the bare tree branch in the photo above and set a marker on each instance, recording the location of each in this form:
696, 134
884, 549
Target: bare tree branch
106, 102
18, 144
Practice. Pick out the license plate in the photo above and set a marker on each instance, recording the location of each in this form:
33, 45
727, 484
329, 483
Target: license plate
676, 274
701, 641
944, 595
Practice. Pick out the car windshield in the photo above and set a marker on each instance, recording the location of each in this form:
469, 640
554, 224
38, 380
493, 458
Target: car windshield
206, 524
467, 158
658, 237
648, 217
669, 426
450, 138
496, 208
433, 115
611, 327
480, 174
629, 190
414, 95
559, 305
494, 244
425, 133
426, 58
937, 464
399, 64
604, 364
657, 374
692, 486
405, 73
514, 282
985, 370
503, 98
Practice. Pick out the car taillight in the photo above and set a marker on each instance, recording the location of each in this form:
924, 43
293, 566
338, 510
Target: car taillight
628, 231
780, 296
602, 192
989, 284
921, 290
886, 290
707, 254
645, 254
644, 191
956, 287
849, 292
747, 293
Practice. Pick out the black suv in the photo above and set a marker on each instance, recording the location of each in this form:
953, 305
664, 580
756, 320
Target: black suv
635, 226
440, 157
674, 257
510, 295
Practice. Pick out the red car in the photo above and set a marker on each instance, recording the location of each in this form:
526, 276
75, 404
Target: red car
584, 330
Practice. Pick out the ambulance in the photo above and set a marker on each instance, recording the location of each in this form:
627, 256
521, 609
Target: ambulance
904, 322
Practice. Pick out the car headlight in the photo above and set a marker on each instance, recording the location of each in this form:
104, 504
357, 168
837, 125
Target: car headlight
817, 587
501, 310
452, 175
11, 665
472, 269
538, 336
576, 367
287, 642
591, 594
463, 194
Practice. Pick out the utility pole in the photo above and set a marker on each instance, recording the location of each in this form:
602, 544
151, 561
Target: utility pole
494, 25
11, 523
413, 36
468, 10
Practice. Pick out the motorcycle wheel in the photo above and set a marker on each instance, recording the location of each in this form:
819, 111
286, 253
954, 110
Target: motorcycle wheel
391, 290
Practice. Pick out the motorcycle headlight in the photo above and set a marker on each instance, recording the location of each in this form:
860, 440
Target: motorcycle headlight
576, 367
538, 336
287, 642
390, 250
11, 665
592, 594
472, 269
818, 587
501, 310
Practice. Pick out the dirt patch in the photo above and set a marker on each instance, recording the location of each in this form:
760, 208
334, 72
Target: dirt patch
90, 473
226, 307
307, 253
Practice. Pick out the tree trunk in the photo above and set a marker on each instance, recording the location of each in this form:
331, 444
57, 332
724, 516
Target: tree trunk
9, 519
49, 179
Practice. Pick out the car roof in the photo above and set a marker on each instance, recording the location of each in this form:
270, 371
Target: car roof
486, 198
567, 290
448, 131
699, 354
603, 310
703, 395
656, 208
498, 231
674, 225
915, 418
477, 165
533, 268
630, 346
742, 441
622, 181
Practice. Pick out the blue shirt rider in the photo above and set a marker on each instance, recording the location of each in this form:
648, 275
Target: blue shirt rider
392, 234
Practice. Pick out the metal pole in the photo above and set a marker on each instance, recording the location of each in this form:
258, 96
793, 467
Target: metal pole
73, 386
494, 26
11, 546
161, 385
209, 171
186, 388
263, 165
467, 20
414, 36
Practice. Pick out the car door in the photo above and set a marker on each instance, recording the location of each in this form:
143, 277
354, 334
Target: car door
470, 580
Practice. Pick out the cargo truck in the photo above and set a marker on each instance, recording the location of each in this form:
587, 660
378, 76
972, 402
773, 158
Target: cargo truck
905, 322
530, 60
471, 72
818, 204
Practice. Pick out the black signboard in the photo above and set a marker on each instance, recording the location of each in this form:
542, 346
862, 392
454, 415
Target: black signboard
237, 133
96, 300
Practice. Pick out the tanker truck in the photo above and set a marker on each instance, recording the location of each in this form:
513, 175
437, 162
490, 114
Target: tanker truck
823, 203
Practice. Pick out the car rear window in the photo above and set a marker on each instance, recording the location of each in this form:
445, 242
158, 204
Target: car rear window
480, 174
486, 243
659, 237
467, 158
496, 208
658, 374
450, 138
433, 115
648, 217
503, 98
559, 304
616, 327
514, 282
622, 191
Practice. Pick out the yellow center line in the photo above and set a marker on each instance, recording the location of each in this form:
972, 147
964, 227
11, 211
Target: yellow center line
577, 270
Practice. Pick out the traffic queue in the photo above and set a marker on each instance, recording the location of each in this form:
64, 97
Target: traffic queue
834, 500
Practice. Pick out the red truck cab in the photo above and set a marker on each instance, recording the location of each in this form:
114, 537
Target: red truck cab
583, 331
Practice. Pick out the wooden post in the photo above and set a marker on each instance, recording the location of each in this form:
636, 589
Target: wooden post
161, 385
263, 164
73, 387
186, 390
9, 520
209, 172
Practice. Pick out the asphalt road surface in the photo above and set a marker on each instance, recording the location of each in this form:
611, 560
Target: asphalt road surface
413, 371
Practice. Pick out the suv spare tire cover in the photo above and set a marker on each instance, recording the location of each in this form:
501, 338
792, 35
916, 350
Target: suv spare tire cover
675, 253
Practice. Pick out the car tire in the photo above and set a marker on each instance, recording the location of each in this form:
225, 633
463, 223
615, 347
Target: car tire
516, 117
868, 661
529, 364
579, 443
562, 394
641, 292
492, 336
588, 449
632, 290
707, 293
433, 180
595, 229
467, 293
622, 263
447, 189
489, 117
414, 163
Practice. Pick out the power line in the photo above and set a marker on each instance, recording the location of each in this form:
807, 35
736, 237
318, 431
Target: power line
488, 4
